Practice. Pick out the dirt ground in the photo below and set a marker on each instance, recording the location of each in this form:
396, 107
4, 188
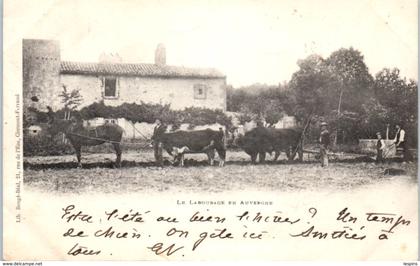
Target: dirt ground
59, 174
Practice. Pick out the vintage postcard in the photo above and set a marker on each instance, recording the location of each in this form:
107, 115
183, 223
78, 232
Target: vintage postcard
210, 130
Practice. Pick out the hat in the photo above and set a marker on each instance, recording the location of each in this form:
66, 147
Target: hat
378, 133
324, 124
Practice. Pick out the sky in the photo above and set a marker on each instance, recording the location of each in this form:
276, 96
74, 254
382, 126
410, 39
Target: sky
250, 41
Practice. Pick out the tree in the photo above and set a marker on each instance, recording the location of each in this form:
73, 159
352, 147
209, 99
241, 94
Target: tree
375, 118
394, 92
399, 97
261, 102
354, 84
334, 90
311, 85
352, 77
71, 100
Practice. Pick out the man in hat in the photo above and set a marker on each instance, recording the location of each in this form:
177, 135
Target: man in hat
157, 145
324, 140
380, 146
400, 141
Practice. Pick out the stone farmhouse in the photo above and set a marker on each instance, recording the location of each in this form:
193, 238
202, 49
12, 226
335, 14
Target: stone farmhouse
114, 82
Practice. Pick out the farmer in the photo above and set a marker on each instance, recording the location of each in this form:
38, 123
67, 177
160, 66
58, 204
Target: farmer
157, 145
380, 146
224, 133
400, 140
324, 140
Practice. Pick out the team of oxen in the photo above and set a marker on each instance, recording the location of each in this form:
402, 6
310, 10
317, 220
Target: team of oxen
256, 142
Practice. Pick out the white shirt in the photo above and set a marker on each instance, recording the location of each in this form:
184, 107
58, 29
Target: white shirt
402, 136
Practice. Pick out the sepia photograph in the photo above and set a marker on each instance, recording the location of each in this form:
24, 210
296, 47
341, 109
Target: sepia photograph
211, 130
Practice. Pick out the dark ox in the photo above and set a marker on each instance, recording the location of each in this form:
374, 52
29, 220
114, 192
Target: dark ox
260, 140
81, 136
201, 141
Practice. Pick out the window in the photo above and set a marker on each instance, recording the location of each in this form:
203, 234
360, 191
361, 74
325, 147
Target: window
110, 87
200, 91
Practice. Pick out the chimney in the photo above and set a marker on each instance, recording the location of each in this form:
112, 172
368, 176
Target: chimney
107, 58
160, 55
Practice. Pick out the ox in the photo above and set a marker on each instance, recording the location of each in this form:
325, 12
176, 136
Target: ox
260, 140
201, 141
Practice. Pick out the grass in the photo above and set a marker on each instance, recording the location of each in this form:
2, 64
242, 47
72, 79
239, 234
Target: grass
58, 174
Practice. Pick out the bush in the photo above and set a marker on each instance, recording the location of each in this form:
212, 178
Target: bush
44, 145
148, 113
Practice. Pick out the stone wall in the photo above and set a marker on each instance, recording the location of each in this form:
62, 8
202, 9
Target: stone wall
179, 92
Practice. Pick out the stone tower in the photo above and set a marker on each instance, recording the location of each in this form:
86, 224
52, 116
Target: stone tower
41, 74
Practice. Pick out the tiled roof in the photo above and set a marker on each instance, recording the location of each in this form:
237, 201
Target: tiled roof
143, 70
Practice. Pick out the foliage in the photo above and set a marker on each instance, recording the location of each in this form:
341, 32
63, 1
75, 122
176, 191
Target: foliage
245, 118
340, 82
203, 116
375, 117
133, 112
352, 77
260, 101
44, 145
311, 85
345, 126
334, 89
398, 97
338, 90
148, 113
70, 99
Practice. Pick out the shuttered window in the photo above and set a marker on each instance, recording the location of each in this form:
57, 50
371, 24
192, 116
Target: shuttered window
110, 89
200, 91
